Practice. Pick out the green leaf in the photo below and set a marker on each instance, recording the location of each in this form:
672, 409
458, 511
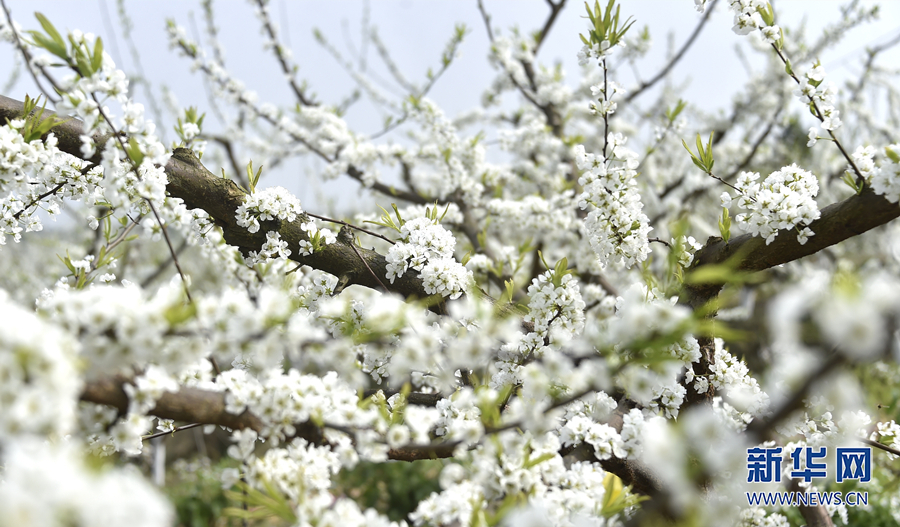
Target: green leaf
767, 14
97, 59
68, 262
50, 45
83, 64
672, 114
180, 313
134, 151
252, 178
725, 225
48, 27
614, 495
694, 158
851, 180
708, 155
893, 156
717, 274
538, 460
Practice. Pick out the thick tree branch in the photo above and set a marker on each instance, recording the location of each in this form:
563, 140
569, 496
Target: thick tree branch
839, 221
220, 198
188, 404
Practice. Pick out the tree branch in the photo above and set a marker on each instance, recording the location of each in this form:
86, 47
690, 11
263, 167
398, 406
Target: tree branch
838, 222
668, 67
188, 404
220, 198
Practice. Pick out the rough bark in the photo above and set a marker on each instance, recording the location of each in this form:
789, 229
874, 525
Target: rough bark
187, 404
220, 198
838, 222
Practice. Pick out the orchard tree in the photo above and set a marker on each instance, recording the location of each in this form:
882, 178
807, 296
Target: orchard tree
548, 315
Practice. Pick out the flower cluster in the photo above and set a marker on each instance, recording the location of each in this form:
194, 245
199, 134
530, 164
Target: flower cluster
615, 223
85, 96
852, 312
455, 164
41, 383
730, 376
50, 484
274, 203
885, 179
812, 90
555, 306
274, 247
605, 105
747, 18
605, 440
27, 170
119, 328
599, 51
517, 465
535, 215
302, 472
785, 200
283, 400
427, 247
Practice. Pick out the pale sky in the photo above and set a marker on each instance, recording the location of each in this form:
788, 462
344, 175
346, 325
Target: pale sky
415, 32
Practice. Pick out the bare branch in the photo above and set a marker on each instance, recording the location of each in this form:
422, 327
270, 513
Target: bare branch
551, 18
668, 67
287, 68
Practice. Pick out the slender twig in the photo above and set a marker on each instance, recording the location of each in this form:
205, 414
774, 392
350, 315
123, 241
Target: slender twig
605, 111
286, 67
370, 233
162, 267
215, 365
487, 21
872, 53
818, 115
122, 235
179, 429
36, 200
555, 8
878, 445
114, 243
25, 54
759, 141
668, 67
721, 180
229, 152
162, 226
392, 67
652, 149
363, 260
549, 111
761, 426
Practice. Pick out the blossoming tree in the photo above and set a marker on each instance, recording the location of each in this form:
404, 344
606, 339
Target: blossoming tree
548, 326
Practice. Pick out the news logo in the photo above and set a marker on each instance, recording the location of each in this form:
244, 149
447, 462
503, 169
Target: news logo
764, 465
